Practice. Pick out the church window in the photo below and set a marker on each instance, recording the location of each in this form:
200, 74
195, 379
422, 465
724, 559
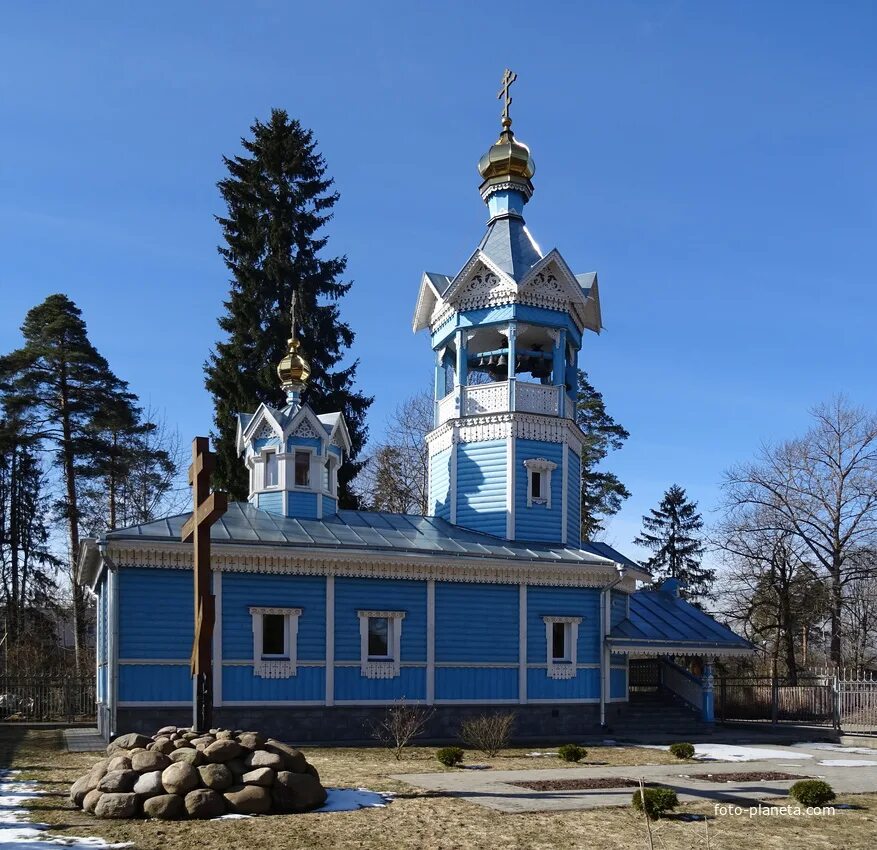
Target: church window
380, 635
561, 639
539, 481
302, 469
330, 475
275, 639
272, 469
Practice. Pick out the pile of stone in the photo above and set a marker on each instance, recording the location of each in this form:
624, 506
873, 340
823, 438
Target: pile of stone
179, 773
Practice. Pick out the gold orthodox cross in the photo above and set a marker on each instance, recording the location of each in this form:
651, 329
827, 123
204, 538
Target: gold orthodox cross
507, 79
208, 507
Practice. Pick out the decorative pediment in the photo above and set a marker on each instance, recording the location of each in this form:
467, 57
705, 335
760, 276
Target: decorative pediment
265, 425
306, 430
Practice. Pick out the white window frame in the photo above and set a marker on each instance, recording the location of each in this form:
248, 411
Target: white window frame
272, 666
381, 668
561, 668
310, 453
543, 467
331, 488
278, 483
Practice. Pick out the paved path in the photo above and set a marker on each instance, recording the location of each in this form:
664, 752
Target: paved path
83, 740
856, 774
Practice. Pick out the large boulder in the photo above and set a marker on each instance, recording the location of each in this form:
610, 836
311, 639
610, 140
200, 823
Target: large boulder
166, 731
119, 763
204, 803
79, 789
181, 743
237, 768
149, 784
260, 776
202, 741
224, 750
164, 807
248, 799
117, 782
262, 758
293, 759
89, 804
149, 761
180, 778
297, 792
188, 755
251, 740
116, 806
162, 745
130, 741
215, 776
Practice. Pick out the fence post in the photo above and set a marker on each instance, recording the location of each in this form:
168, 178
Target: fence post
774, 697
835, 701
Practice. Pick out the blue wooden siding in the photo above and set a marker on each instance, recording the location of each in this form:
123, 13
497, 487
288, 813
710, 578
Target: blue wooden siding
241, 590
155, 682
574, 500
355, 594
102, 641
350, 684
302, 504
330, 506
303, 442
271, 502
476, 683
585, 685
155, 613
618, 607
618, 683
538, 522
476, 622
440, 484
481, 486
239, 684
566, 602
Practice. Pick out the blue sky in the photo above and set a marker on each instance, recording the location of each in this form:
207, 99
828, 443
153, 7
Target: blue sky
713, 162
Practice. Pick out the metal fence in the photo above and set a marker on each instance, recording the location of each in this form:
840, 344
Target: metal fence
45, 698
856, 702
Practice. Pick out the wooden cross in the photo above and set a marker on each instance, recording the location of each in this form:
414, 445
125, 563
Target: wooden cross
208, 507
507, 79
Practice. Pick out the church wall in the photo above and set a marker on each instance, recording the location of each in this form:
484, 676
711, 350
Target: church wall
271, 502
538, 522
302, 504
618, 683
143, 594
303, 442
239, 684
574, 500
351, 686
481, 486
585, 685
504, 313
157, 683
439, 485
330, 506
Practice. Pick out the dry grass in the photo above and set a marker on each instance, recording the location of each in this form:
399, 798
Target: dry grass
422, 820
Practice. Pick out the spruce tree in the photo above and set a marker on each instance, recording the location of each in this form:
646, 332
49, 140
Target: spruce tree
602, 491
672, 532
61, 386
279, 200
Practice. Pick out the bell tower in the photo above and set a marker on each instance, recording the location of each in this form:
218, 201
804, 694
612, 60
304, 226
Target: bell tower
506, 332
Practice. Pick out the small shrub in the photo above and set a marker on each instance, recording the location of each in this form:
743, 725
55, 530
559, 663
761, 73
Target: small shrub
571, 752
658, 801
812, 792
401, 723
450, 756
682, 751
489, 733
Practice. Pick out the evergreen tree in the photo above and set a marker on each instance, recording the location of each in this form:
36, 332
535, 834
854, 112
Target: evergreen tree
62, 387
602, 491
279, 199
671, 531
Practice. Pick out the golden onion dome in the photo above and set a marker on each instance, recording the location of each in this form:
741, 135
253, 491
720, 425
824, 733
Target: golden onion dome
507, 158
294, 369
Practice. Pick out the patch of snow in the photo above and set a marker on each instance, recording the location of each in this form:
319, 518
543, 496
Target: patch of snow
228, 817
847, 763
838, 748
540, 755
732, 752
15, 830
350, 799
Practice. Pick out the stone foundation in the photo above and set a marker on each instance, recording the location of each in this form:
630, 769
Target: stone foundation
351, 724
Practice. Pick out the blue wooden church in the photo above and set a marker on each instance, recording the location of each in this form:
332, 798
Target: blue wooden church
326, 616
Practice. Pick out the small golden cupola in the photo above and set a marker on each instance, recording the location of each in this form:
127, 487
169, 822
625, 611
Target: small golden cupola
294, 369
508, 163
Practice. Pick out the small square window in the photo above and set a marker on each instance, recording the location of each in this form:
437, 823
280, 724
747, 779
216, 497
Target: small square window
272, 469
378, 637
302, 469
273, 635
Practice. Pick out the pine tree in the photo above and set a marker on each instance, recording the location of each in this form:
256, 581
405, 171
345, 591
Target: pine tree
671, 531
61, 386
279, 199
602, 491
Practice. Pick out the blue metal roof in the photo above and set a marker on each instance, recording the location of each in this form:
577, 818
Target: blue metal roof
510, 246
372, 531
666, 622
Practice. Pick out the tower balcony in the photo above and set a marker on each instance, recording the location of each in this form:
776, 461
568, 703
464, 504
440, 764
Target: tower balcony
504, 397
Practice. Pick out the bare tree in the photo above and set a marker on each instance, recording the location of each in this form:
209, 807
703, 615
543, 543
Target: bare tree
396, 474
400, 725
823, 487
860, 615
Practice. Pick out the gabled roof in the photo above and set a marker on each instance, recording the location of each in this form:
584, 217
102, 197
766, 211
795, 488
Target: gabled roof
285, 422
661, 622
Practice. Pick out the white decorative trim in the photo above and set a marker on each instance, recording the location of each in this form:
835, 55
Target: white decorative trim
522, 643
430, 641
373, 668
543, 467
306, 431
567, 668
330, 640
663, 649
498, 426
273, 667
